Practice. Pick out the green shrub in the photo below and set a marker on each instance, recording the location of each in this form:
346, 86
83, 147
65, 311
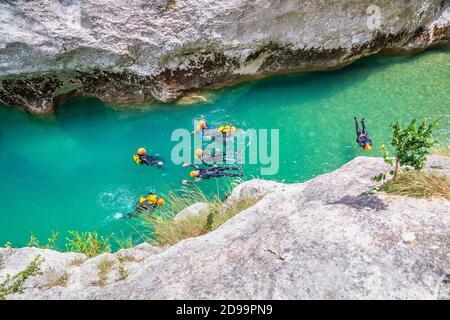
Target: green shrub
411, 145
88, 243
34, 242
51, 242
14, 284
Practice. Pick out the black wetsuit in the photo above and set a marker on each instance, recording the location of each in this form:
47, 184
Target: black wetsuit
206, 163
213, 158
149, 160
215, 172
140, 208
145, 207
362, 138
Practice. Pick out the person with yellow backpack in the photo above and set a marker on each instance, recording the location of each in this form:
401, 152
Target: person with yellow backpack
141, 157
201, 127
146, 205
227, 130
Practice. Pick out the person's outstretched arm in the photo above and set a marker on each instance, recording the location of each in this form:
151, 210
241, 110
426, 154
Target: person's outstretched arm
233, 175
191, 165
191, 181
153, 157
231, 168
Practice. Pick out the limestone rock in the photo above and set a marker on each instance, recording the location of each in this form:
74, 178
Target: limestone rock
322, 239
132, 51
192, 211
253, 189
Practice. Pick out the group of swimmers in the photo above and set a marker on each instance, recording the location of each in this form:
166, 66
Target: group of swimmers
211, 158
213, 164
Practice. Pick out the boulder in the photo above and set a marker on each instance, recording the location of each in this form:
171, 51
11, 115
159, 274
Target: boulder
192, 211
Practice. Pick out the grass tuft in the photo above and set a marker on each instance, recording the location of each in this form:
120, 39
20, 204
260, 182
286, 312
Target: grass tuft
76, 262
125, 242
167, 231
188, 197
419, 184
3, 256
104, 267
441, 150
122, 271
58, 280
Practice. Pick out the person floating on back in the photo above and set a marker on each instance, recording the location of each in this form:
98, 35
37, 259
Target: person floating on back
208, 158
201, 127
227, 130
142, 158
146, 205
362, 138
211, 172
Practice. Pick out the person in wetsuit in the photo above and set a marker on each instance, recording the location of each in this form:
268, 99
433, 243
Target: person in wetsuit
211, 172
141, 157
226, 131
212, 157
201, 127
146, 205
362, 138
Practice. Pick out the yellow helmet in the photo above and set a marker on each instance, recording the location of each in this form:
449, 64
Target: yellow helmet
152, 198
198, 153
367, 147
193, 173
142, 152
201, 124
160, 202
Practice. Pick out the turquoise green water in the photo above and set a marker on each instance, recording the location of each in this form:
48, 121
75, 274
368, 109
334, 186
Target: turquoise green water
74, 170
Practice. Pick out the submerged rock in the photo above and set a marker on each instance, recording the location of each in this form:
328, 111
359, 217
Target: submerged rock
141, 50
322, 239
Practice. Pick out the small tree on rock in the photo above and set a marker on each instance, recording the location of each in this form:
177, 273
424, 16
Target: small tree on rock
412, 145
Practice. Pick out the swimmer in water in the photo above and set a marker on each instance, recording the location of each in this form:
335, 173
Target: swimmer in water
211, 172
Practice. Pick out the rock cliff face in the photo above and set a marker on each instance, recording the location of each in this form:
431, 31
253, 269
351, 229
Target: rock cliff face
321, 239
142, 50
